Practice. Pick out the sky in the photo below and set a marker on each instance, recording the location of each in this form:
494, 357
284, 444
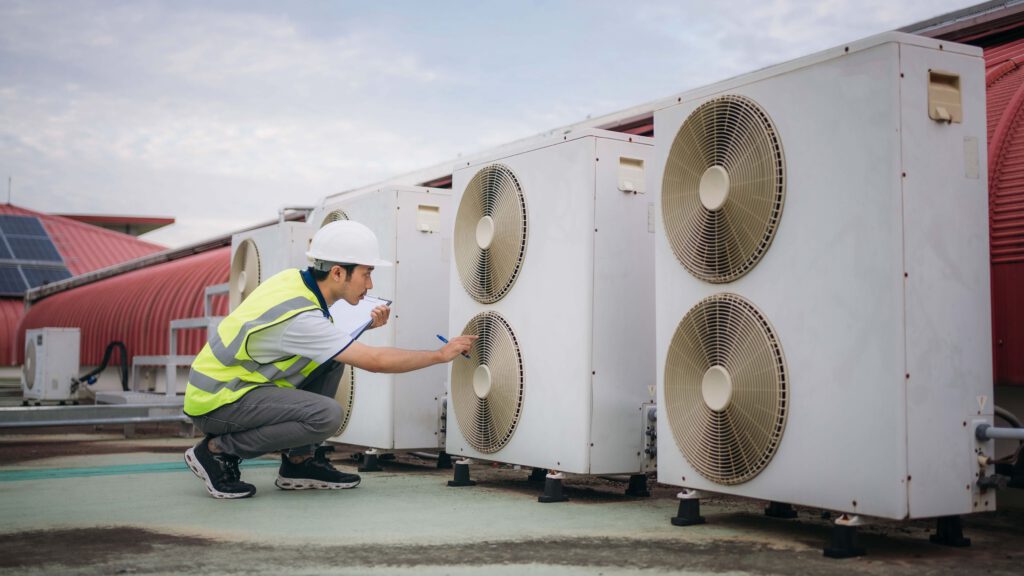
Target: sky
219, 113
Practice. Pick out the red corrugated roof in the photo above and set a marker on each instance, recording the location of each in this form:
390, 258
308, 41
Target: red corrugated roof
1004, 79
84, 247
1005, 83
136, 307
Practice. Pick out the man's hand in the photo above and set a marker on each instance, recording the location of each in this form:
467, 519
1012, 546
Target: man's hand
380, 316
457, 345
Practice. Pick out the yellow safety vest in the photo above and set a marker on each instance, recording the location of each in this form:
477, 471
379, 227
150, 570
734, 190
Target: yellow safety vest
223, 371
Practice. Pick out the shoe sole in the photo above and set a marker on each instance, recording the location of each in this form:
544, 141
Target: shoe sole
308, 484
200, 472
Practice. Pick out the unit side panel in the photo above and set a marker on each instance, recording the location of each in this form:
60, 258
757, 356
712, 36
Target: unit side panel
372, 421
830, 286
949, 344
419, 315
549, 308
623, 313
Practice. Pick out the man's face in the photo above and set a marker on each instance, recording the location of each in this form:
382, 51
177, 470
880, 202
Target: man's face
354, 287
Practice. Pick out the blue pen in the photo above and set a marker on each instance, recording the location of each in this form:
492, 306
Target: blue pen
445, 340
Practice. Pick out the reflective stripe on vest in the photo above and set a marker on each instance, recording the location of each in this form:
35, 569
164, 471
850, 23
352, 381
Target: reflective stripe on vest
223, 371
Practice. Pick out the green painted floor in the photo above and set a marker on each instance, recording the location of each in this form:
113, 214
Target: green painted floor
138, 509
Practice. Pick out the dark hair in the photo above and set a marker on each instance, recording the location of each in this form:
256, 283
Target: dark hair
319, 275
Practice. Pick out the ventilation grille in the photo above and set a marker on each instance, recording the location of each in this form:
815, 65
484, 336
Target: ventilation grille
487, 388
245, 272
345, 395
490, 234
726, 389
28, 369
724, 187
334, 216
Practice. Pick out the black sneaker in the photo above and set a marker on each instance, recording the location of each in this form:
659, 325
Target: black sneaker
316, 472
219, 472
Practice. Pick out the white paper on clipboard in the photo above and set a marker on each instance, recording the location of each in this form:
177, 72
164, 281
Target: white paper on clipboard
355, 319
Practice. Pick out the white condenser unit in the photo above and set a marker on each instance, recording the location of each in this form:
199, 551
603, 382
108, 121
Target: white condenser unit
260, 253
553, 270
399, 411
51, 364
823, 328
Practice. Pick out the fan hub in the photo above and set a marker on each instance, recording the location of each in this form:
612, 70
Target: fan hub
482, 381
240, 281
485, 232
716, 387
714, 187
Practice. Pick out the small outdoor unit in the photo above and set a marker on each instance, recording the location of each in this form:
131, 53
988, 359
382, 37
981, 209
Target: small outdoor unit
823, 332
553, 270
51, 364
399, 411
260, 253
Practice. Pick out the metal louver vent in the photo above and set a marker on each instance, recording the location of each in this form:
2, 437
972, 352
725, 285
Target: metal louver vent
345, 395
490, 233
245, 273
726, 389
723, 189
334, 216
487, 388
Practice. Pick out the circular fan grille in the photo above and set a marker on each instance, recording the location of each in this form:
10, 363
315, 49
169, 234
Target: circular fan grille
245, 273
345, 395
487, 388
490, 233
726, 389
723, 189
28, 369
334, 216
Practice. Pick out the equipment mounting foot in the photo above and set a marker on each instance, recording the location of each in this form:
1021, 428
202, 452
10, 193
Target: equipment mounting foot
949, 532
779, 510
552, 489
461, 475
638, 486
689, 509
845, 543
371, 462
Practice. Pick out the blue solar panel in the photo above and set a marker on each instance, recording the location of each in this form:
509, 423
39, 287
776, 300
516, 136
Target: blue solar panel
33, 248
24, 225
26, 252
12, 283
37, 275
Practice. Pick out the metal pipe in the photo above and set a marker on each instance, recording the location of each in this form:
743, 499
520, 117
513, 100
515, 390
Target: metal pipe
97, 421
987, 432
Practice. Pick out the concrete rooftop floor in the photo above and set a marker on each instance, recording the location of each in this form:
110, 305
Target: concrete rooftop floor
89, 501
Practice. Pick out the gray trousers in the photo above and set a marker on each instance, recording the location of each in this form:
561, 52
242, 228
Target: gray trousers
271, 418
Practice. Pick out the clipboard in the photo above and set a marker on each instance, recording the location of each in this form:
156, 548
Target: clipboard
354, 320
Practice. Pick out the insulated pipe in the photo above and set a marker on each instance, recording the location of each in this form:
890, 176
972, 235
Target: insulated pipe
1008, 416
987, 432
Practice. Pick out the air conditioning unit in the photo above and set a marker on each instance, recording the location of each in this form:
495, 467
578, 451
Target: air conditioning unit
823, 328
399, 411
260, 253
51, 364
553, 270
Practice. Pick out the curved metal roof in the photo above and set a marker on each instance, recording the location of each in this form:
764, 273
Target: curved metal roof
136, 307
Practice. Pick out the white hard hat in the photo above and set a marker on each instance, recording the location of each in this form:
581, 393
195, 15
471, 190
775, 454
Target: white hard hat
346, 242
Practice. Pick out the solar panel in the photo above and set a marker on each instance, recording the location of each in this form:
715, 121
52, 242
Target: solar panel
26, 254
12, 283
38, 275
33, 248
24, 225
